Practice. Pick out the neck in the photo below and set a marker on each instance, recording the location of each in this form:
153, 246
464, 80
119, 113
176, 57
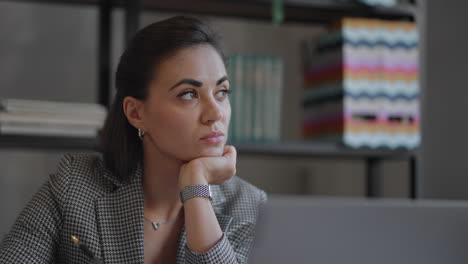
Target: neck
160, 185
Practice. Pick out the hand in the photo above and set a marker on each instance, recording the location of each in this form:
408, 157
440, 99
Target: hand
209, 170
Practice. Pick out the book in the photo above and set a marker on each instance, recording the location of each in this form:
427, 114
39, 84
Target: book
47, 130
56, 119
48, 118
51, 107
257, 96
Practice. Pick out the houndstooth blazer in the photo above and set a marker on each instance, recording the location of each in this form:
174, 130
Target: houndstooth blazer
85, 200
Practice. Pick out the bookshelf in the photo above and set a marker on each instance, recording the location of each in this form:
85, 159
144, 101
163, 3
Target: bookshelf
295, 11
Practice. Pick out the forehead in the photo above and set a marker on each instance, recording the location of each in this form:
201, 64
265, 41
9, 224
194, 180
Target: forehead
200, 62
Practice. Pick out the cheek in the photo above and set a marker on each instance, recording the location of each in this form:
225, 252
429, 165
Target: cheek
172, 124
227, 114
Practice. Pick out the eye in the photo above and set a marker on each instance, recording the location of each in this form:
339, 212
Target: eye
187, 95
223, 93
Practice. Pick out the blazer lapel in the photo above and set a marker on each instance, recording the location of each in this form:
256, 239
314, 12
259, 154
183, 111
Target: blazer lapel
119, 218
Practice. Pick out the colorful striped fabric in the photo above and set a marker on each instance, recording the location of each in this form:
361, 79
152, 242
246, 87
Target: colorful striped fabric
361, 84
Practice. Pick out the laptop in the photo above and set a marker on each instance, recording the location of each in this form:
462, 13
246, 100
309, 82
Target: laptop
301, 229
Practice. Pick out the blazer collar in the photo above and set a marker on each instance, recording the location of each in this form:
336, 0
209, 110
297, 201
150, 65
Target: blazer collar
120, 220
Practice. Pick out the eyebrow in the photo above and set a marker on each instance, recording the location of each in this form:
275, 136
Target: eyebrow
197, 83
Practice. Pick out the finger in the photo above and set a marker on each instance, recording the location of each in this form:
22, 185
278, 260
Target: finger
230, 152
226, 149
231, 157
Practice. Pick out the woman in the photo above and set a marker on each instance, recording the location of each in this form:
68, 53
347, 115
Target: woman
146, 198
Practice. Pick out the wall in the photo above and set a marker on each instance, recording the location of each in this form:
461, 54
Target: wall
444, 55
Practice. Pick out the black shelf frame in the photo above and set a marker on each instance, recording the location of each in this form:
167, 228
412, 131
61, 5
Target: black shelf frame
305, 11
373, 159
296, 11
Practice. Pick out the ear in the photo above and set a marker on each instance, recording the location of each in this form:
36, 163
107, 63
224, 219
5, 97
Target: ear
133, 109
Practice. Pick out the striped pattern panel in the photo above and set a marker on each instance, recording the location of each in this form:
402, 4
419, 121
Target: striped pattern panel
361, 84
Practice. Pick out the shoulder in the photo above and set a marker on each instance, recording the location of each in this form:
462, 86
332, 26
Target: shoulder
80, 172
75, 163
240, 198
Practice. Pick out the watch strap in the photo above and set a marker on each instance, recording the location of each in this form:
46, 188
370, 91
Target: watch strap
191, 191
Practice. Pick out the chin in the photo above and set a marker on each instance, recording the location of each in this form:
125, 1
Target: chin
214, 151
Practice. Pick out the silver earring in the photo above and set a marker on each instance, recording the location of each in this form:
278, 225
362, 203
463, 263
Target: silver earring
141, 134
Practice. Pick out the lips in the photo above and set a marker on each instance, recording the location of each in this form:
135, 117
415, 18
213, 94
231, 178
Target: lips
213, 135
213, 138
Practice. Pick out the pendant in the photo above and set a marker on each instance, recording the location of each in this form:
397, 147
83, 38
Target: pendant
155, 225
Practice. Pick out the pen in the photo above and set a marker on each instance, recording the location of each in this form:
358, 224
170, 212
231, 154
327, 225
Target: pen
86, 250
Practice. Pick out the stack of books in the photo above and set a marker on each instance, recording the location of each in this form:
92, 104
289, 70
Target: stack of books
256, 83
47, 118
361, 85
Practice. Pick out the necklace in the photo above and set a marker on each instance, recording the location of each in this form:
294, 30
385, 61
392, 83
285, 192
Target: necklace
157, 224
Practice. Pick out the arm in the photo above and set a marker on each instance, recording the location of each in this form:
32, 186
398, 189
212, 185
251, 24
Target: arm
202, 227
206, 242
234, 245
34, 235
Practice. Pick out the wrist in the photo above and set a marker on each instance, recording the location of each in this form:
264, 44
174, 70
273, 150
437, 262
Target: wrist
189, 177
195, 191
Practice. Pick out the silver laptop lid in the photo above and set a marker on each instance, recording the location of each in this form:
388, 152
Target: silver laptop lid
294, 229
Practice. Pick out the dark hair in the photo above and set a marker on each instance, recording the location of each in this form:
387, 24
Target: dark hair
120, 145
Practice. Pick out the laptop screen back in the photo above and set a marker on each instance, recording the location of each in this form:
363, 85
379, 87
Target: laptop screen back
332, 231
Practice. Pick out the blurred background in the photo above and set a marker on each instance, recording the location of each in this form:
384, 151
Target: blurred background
366, 98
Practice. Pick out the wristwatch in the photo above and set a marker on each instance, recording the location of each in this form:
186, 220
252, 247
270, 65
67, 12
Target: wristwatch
191, 191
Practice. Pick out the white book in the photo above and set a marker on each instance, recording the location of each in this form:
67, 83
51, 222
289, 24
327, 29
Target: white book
47, 130
35, 106
42, 118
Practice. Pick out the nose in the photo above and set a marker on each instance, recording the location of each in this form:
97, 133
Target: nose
212, 111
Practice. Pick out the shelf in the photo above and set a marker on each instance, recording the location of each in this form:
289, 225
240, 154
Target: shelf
47, 142
284, 149
321, 150
304, 11
288, 150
